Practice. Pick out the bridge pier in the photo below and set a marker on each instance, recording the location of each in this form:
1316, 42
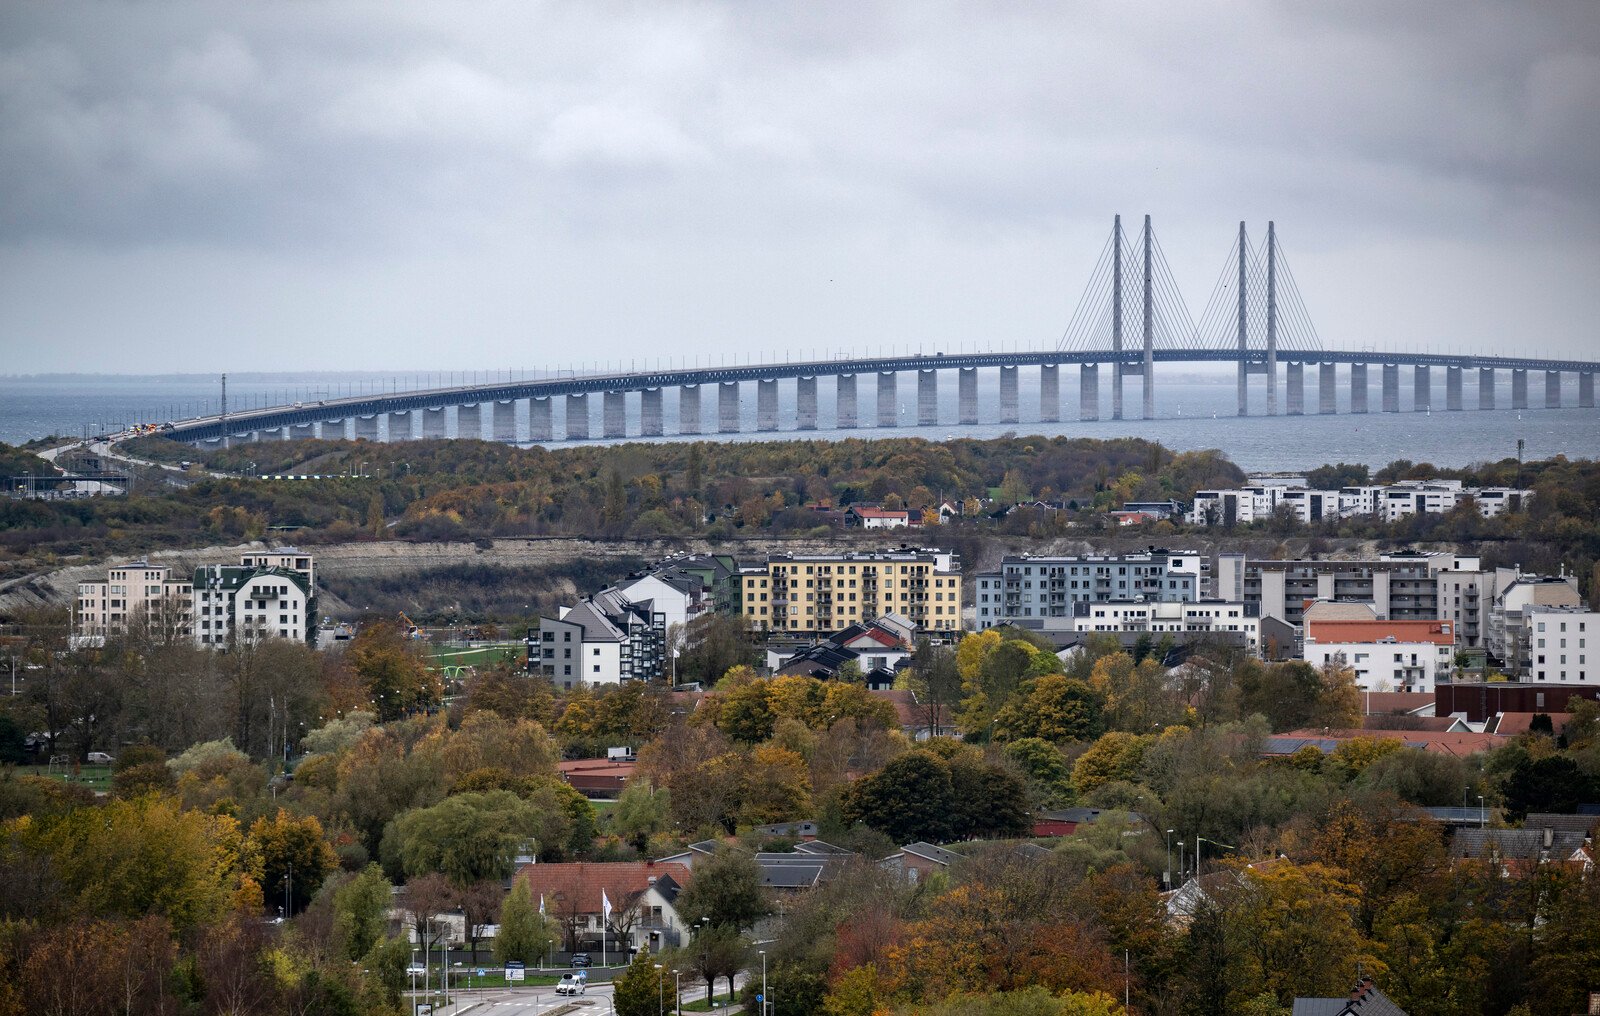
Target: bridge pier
927, 398
614, 414
1421, 389
1359, 389
1327, 389
728, 407
1008, 395
1295, 389
689, 417
1391, 388
577, 418
469, 421
844, 402
888, 406
302, 431
334, 430
766, 405
541, 425
805, 403
366, 428
1485, 387
1552, 389
967, 393
1452, 389
1519, 389
1050, 393
650, 417
433, 424
504, 421
1586, 389
400, 425
1089, 391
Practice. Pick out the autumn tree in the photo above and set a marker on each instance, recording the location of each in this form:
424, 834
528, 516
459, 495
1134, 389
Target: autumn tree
1053, 708
396, 680
294, 858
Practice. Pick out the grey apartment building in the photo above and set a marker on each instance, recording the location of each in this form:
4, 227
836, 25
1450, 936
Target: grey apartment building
1041, 592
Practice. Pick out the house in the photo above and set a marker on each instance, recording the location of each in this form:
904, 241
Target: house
858, 516
917, 721
916, 861
600, 779
807, 866
642, 895
1364, 1000
694, 852
804, 831
1063, 821
1460, 745
880, 646
605, 639
1386, 656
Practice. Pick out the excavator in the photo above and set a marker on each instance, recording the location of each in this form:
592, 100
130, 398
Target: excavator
409, 627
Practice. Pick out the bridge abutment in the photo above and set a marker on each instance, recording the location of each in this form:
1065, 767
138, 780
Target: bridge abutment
888, 406
1327, 389
400, 426
577, 418
651, 420
1391, 388
541, 419
967, 395
1485, 387
1519, 389
927, 398
504, 421
1008, 395
1586, 389
1452, 389
1089, 392
1050, 393
614, 414
844, 402
766, 405
469, 421
728, 407
1359, 388
805, 403
689, 417
1295, 389
1421, 389
1552, 389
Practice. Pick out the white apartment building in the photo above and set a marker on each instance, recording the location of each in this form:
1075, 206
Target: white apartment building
137, 593
606, 638
1507, 635
1561, 647
1170, 617
1258, 501
1411, 656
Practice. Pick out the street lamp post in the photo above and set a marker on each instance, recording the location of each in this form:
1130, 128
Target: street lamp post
1170, 883
1483, 816
677, 990
763, 982
661, 989
1181, 869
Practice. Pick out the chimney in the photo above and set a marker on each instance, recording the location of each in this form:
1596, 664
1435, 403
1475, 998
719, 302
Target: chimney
1549, 837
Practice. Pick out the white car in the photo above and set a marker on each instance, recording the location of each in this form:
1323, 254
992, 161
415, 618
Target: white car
100, 758
572, 984
416, 970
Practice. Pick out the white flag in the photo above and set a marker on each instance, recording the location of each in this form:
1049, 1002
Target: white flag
605, 903
541, 904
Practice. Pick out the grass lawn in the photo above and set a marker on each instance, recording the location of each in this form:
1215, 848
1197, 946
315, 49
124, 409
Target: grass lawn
94, 777
723, 1000
476, 656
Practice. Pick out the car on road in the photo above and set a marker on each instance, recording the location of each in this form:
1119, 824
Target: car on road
581, 960
571, 984
100, 758
416, 970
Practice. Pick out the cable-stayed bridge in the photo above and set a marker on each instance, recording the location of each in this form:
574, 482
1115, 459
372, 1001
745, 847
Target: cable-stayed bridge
1130, 317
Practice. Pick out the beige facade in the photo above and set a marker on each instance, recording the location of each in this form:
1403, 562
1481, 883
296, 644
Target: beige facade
134, 593
824, 593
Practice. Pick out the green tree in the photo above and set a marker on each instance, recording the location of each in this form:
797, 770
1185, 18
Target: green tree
1116, 756
726, 890
907, 800
524, 934
1053, 708
638, 990
467, 838
361, 910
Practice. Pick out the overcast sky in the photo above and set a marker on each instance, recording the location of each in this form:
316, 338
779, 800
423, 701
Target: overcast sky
212, 186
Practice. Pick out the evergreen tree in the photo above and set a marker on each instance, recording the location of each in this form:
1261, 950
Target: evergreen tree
638, 991
524, 934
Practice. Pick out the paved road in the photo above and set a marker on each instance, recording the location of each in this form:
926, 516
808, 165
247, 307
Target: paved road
543, 1001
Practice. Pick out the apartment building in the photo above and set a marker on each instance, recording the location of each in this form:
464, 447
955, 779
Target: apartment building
1559, 648
1176, 618
828, 592
132, 595
1257, 501
1403, 586
1508, 636
1387, 656
606, 638
1041, 592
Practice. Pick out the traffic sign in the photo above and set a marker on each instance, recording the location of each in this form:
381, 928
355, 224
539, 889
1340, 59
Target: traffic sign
515, 970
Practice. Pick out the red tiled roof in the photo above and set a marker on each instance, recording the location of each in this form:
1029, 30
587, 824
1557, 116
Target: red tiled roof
575, 888
1379, 703
879, 513
1440, 633
906, 709
1512, 724
877, 635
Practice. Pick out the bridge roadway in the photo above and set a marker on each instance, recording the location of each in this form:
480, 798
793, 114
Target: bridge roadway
301, 420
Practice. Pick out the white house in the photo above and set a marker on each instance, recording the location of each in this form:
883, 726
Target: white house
1560, 649
1410, 656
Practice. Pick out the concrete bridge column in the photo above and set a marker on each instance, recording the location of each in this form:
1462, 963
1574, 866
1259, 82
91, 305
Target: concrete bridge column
1452, 389
614, 414
1586, 390
805, 403
366, 428
1519, 389
766, 405
504, 421
211, 444
888, 405
577, 418
1008, 395
1421, 389
728, 407
1050, 393
1327, 389
967, 392
541, 425
303, 431
469, 421
400, 426
1295, 389
927, 398
433, 423
333, 430
689, 418
650, 419
1552, 389
1485, 387
1391, 388
1089, 391
844, 402
1358, 388
270, 434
